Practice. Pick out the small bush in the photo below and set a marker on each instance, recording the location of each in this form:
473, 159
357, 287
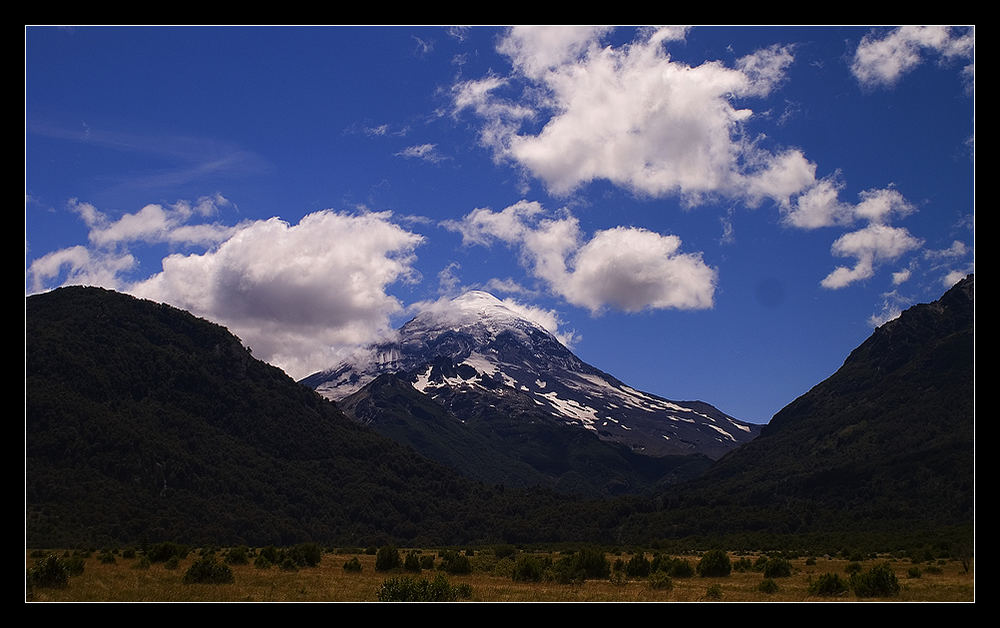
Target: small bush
742, 565
238, 555
714, 592
409, 589
262, 562
206, 570
172, 563
637, 566
387, 559
305, 554
913, 572
412, 562
879, 581
427, 561
768, 586
106, 558
73, 565
271, 554
660, 581
827, 585
777, 568
141, 563
48, 572
353, 565
529, 568
852, 567
455, 563
714, 564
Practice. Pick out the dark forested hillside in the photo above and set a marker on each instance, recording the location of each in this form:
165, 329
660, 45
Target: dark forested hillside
146, 423
885, 445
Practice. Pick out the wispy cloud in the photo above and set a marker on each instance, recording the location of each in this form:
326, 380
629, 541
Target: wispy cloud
884, 56
426, 152
190, 159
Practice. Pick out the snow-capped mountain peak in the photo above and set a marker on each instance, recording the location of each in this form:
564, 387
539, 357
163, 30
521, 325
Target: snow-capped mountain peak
477, 351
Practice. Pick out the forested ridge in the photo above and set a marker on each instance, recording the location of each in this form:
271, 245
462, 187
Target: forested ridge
146, 424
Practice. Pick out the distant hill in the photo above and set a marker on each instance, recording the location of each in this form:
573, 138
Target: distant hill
884, 445
146, 423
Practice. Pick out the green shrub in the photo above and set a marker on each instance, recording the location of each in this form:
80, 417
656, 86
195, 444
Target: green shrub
73, 565
660, 581
141, 563
777, 568
913, 572
172, 563
592, 562
387, 559
262, 562
106, 558
206, 570
714, 592
128, 553
412, 562
353, 565
768, 586
529, 568
637, 566
48, 572
305, 554
742, 565
455, 563
238, 555
828, 584
852, 567
427, 561
409, 589
714, 564
271, 554
879, 581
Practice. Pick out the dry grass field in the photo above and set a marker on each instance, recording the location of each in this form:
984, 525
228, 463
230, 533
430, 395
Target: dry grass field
124, 581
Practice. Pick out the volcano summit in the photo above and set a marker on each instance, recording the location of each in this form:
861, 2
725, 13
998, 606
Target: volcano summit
478, 352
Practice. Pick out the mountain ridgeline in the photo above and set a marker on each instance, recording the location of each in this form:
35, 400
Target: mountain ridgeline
145, 423
480, 387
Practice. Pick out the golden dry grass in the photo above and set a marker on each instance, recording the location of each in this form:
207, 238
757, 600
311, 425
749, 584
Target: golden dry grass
328, 582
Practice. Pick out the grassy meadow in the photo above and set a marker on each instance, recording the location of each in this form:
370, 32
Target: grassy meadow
128, 577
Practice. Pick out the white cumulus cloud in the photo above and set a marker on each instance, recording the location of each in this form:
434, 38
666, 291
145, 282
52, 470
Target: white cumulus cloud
299, 295
630, 115
624, 268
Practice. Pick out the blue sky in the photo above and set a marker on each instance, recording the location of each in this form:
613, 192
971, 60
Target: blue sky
706, 213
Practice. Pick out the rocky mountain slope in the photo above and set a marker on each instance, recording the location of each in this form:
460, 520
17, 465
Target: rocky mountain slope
478, 356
